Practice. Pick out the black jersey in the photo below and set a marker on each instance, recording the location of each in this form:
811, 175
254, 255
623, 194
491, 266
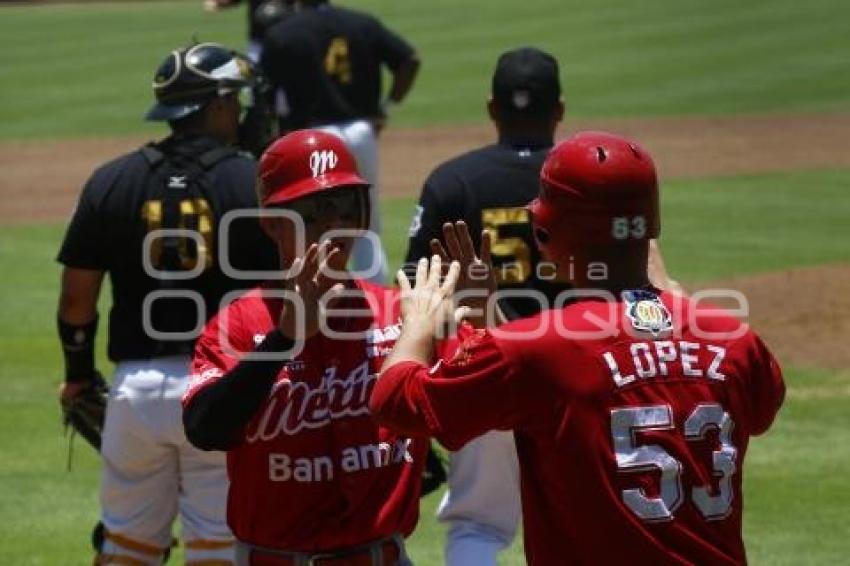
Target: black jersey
328, 61
255, 31
489, 188
122, 203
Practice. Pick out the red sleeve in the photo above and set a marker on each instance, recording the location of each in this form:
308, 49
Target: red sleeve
214, 354
445, 349
477, 390
766, 388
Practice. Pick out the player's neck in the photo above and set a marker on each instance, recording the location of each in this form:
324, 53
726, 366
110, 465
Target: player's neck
610, 269
529, 136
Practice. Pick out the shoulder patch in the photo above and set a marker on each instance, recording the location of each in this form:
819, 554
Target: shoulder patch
647, 313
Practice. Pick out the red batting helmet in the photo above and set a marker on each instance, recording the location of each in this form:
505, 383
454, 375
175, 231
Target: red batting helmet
303, 163
595, 188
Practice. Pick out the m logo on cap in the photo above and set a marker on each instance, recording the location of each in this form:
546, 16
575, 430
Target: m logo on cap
321, 161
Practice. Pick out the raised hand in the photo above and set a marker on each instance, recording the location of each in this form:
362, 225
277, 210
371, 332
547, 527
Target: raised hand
429, 303
426, 309
477, 280
312, 286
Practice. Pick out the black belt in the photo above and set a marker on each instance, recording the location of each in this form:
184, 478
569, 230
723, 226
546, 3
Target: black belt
382, 552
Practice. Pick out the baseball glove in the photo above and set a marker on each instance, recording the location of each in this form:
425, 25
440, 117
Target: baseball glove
85, 413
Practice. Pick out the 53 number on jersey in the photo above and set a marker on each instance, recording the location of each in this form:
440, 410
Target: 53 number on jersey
634, 457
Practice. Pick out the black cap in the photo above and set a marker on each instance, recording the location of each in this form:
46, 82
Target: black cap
526, 82
190, 77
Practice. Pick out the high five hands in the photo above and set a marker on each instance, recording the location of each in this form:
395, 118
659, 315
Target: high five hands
476, 281
426, 309
428, 305
311, 287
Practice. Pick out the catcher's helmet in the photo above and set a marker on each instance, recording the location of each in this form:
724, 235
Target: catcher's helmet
192, 76
303, 163
595, 188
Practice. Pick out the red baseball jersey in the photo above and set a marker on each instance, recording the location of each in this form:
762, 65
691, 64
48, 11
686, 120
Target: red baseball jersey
632, 420
314, 471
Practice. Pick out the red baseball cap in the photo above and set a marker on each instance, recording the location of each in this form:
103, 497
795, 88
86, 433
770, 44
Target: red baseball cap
305, 162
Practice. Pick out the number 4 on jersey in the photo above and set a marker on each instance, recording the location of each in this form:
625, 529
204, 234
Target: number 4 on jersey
338, 60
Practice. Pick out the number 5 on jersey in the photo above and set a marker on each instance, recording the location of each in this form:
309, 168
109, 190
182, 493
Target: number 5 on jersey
512, 252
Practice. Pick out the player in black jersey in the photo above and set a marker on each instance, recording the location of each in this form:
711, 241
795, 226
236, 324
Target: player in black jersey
489, 188
328, 62
152, 220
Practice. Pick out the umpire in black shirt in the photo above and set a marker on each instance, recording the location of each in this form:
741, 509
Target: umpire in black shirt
152, 219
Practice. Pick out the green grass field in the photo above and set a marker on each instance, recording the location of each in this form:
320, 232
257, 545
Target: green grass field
796, 484
84, 70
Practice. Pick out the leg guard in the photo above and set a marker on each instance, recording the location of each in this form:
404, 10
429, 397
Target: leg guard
120, 550
206, 552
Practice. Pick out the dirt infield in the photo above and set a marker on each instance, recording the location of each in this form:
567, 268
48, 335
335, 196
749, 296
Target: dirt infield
41, 180
681, 147
803, 314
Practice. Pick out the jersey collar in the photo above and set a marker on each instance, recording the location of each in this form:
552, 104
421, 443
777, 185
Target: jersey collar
529, 143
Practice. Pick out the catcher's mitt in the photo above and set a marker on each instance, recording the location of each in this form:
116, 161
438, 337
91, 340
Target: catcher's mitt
85, 413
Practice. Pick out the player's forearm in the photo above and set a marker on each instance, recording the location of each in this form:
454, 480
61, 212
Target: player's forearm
403, 79
80, 289
415, 344
75, 312
395, 403
77, 322
215, 417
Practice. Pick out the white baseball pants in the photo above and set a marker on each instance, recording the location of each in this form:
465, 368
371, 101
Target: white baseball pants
482, 504
151, 472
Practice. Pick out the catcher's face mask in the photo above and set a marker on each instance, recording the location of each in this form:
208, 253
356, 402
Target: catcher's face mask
190, 77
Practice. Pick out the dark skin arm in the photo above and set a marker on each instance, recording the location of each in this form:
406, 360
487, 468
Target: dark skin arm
402, 81
403, 78
80, 289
